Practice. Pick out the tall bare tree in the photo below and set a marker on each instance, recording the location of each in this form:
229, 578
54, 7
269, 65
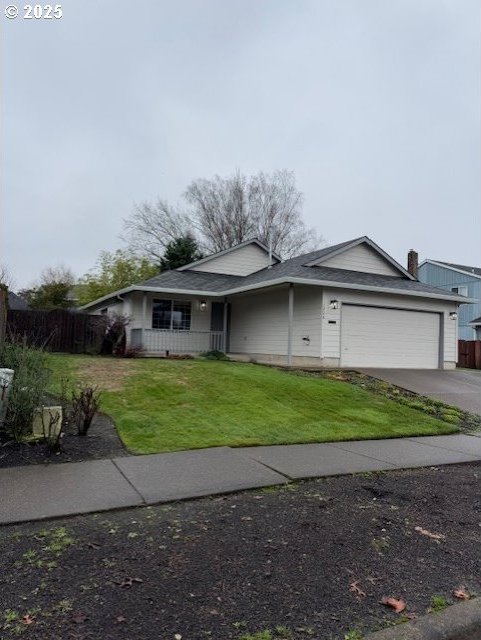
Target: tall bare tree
225, 211
151, 227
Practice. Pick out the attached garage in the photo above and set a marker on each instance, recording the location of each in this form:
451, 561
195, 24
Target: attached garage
386, 337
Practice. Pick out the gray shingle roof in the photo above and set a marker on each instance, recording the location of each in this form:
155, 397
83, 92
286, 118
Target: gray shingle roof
293, 268
16, 302
475, 321
461, 267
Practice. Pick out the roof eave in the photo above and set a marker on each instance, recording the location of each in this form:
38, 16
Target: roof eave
447, 266
359, 287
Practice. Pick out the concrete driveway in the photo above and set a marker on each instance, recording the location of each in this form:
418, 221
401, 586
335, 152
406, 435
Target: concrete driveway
460, 387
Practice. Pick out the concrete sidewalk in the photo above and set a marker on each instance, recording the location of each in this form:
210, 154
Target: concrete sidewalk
37, 492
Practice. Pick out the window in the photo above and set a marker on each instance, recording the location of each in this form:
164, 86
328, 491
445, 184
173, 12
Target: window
171, 314
463, 291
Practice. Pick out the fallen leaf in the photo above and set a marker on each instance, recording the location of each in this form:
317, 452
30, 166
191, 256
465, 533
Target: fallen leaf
461, 593
177, 636
120, 619
28, 619
93, 545
430, 534
397, 605
356, 590
78, 617
129, 582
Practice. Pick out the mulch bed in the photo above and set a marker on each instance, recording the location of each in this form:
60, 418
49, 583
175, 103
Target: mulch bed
102, 441
316, 558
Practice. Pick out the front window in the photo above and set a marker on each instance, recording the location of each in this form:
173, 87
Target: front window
171, 314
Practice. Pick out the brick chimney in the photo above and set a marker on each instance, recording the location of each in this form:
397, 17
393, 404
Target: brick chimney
413, 261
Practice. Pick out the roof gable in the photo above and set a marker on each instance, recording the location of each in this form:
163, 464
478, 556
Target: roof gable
241, 260
474, 272
362, 255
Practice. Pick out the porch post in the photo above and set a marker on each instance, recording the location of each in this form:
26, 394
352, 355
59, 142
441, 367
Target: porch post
224, 328
290, 323
144, 317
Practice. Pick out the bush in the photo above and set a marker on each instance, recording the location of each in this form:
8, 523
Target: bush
85, 403
29, 385
214, 355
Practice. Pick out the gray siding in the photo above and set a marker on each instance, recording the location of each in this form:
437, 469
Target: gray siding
445, 278
362, 258
240, 262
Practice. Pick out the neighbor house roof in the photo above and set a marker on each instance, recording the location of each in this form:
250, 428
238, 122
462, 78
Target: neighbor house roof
476, 321
16, 302
472, 271
299, 270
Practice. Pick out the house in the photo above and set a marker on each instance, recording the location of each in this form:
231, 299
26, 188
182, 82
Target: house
17, 303
459, 279
348, 305
476, 324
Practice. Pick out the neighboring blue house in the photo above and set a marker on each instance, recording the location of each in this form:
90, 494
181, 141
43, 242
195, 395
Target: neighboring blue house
460, 279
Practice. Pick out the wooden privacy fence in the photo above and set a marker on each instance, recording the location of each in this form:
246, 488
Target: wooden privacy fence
469, 354
59, 330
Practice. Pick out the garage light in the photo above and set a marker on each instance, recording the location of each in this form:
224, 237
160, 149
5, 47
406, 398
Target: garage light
453, 315
334, 304
203, 305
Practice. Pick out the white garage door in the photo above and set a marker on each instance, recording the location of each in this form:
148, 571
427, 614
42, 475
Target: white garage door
377, 337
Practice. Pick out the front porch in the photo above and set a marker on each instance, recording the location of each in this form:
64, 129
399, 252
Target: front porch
165, 341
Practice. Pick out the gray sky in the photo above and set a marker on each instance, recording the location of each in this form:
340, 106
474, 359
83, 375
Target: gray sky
373, 104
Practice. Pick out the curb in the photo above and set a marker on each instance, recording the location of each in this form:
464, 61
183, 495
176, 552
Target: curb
458, 622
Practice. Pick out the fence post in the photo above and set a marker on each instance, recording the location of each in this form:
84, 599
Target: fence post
3, 312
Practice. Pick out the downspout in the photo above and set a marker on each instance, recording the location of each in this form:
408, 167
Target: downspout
144, 318
290, 322
224, 328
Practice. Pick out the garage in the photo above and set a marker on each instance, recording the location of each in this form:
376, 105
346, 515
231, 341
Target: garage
393, 338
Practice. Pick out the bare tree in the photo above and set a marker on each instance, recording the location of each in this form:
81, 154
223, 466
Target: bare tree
225, 212
276, 205
6, 277
221, 211
151, 227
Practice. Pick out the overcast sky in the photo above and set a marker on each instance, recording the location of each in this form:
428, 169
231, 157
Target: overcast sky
373, 104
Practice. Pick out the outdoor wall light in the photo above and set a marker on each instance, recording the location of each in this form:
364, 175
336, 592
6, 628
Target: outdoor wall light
203, 305
334, 304
306, 340
453, 315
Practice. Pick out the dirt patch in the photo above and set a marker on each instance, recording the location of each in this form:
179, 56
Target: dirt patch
313, 560
102, 441
109, 374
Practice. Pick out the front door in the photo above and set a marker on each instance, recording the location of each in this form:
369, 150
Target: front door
217, 327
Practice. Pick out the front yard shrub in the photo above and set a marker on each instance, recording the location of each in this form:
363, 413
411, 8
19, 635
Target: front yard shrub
29, 384
214, 355
85, 404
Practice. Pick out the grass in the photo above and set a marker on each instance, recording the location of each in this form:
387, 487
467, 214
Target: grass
170, 405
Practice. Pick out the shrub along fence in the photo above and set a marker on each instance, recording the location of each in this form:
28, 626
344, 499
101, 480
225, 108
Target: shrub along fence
469, 354
59, 330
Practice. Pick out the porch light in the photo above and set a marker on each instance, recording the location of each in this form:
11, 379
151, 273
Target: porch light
203, 305
453, 315
334, 304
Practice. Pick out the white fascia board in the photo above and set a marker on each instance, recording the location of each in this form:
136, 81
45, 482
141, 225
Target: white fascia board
279, 281
121, 292
446, 266
356, 287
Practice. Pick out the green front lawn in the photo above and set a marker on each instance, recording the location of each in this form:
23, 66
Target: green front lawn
168, 405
